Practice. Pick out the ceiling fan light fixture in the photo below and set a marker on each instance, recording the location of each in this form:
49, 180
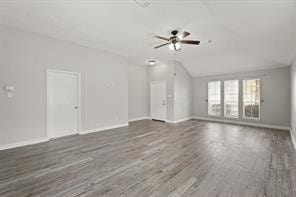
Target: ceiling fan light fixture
171, 46
151, 62
177, 46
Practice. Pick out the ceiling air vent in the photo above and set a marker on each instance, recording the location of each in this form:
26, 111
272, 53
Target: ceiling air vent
143, 3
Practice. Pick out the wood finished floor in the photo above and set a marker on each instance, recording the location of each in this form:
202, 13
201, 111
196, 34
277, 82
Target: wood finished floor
149, 158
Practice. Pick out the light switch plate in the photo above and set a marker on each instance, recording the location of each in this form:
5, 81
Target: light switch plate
9, 91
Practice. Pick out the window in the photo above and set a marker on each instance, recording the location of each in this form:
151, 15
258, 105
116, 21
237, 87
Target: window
251, 100
231, 91
214, 98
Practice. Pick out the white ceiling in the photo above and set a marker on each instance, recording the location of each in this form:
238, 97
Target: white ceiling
246, 34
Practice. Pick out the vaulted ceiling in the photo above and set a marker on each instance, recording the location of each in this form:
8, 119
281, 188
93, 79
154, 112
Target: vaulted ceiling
246, 35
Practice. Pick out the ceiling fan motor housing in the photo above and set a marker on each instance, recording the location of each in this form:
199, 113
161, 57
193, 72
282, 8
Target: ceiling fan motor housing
174, 39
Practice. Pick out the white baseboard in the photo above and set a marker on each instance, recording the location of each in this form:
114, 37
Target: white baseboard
170, 121
243, 123
136, 119
180, 120
293, 140
23, 143
102, 129
37, 141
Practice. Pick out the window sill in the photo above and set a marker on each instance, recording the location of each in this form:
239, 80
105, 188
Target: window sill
252, 119
231, 118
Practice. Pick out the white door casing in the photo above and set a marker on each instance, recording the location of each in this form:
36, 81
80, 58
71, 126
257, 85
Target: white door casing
63, 103
158, 100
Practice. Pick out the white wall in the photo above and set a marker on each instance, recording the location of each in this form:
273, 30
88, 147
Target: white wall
293, 99
137, 91
163, 71
275, 91
293, 87
179, 88
24, 59
182, 93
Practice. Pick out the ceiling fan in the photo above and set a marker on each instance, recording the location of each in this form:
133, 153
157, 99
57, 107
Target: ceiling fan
175, 40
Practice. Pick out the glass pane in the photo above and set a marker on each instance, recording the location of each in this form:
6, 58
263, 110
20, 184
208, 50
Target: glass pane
214, 98
231, 96
251, 99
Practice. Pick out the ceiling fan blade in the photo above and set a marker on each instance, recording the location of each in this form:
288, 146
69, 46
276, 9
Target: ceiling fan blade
196, 42
185, 34
162, 38
161, 45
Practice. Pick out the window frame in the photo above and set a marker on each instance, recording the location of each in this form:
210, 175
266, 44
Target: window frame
243, 99
221, 104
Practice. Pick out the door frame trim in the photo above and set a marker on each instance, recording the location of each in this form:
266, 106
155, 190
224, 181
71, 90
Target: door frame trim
166, 103
78, 74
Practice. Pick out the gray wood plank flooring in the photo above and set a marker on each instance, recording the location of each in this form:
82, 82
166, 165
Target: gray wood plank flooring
150, 158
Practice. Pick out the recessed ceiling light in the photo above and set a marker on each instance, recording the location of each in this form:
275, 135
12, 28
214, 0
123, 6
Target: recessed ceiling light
151, 62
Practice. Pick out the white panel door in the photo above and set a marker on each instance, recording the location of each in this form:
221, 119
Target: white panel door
158, 100
63, 100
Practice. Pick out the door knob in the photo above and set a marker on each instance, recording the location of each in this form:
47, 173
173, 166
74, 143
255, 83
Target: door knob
76, 107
